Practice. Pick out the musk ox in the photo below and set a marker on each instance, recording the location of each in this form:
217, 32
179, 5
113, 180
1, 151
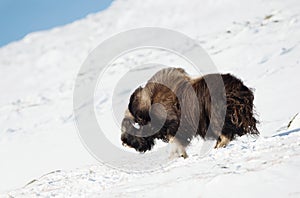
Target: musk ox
174, 107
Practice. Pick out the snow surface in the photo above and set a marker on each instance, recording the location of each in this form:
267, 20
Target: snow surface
257, 40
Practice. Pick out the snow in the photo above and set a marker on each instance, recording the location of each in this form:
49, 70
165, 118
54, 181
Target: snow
258, 41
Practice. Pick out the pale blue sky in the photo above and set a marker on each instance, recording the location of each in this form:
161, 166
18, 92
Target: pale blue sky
20, 17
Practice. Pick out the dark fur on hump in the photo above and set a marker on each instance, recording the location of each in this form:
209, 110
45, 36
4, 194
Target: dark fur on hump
163, 88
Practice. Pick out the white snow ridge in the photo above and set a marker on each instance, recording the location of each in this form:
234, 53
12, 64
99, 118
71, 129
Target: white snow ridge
258, 41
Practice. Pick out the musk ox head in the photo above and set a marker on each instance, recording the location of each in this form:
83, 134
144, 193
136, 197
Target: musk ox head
146, 119
135, 135
136, 123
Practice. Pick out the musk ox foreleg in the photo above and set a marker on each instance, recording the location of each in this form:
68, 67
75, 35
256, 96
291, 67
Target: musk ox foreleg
177, 149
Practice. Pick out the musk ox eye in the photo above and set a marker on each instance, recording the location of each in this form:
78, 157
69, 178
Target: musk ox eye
141, 121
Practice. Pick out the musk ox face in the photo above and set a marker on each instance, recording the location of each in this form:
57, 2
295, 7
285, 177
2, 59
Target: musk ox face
134, 136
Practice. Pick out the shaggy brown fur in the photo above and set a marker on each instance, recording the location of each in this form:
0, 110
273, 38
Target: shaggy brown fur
187, 109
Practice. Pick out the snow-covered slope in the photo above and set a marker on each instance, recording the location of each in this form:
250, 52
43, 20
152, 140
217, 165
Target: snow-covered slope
257, 41
247, 168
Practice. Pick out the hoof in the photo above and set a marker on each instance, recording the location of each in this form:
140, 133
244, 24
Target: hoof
222, 142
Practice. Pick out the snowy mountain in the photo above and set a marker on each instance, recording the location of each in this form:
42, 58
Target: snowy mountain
258, 41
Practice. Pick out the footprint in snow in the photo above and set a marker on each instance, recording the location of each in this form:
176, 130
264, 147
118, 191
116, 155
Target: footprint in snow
286, 50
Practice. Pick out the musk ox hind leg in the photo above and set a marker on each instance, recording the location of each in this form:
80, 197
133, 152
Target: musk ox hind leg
240, 119
222, 141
